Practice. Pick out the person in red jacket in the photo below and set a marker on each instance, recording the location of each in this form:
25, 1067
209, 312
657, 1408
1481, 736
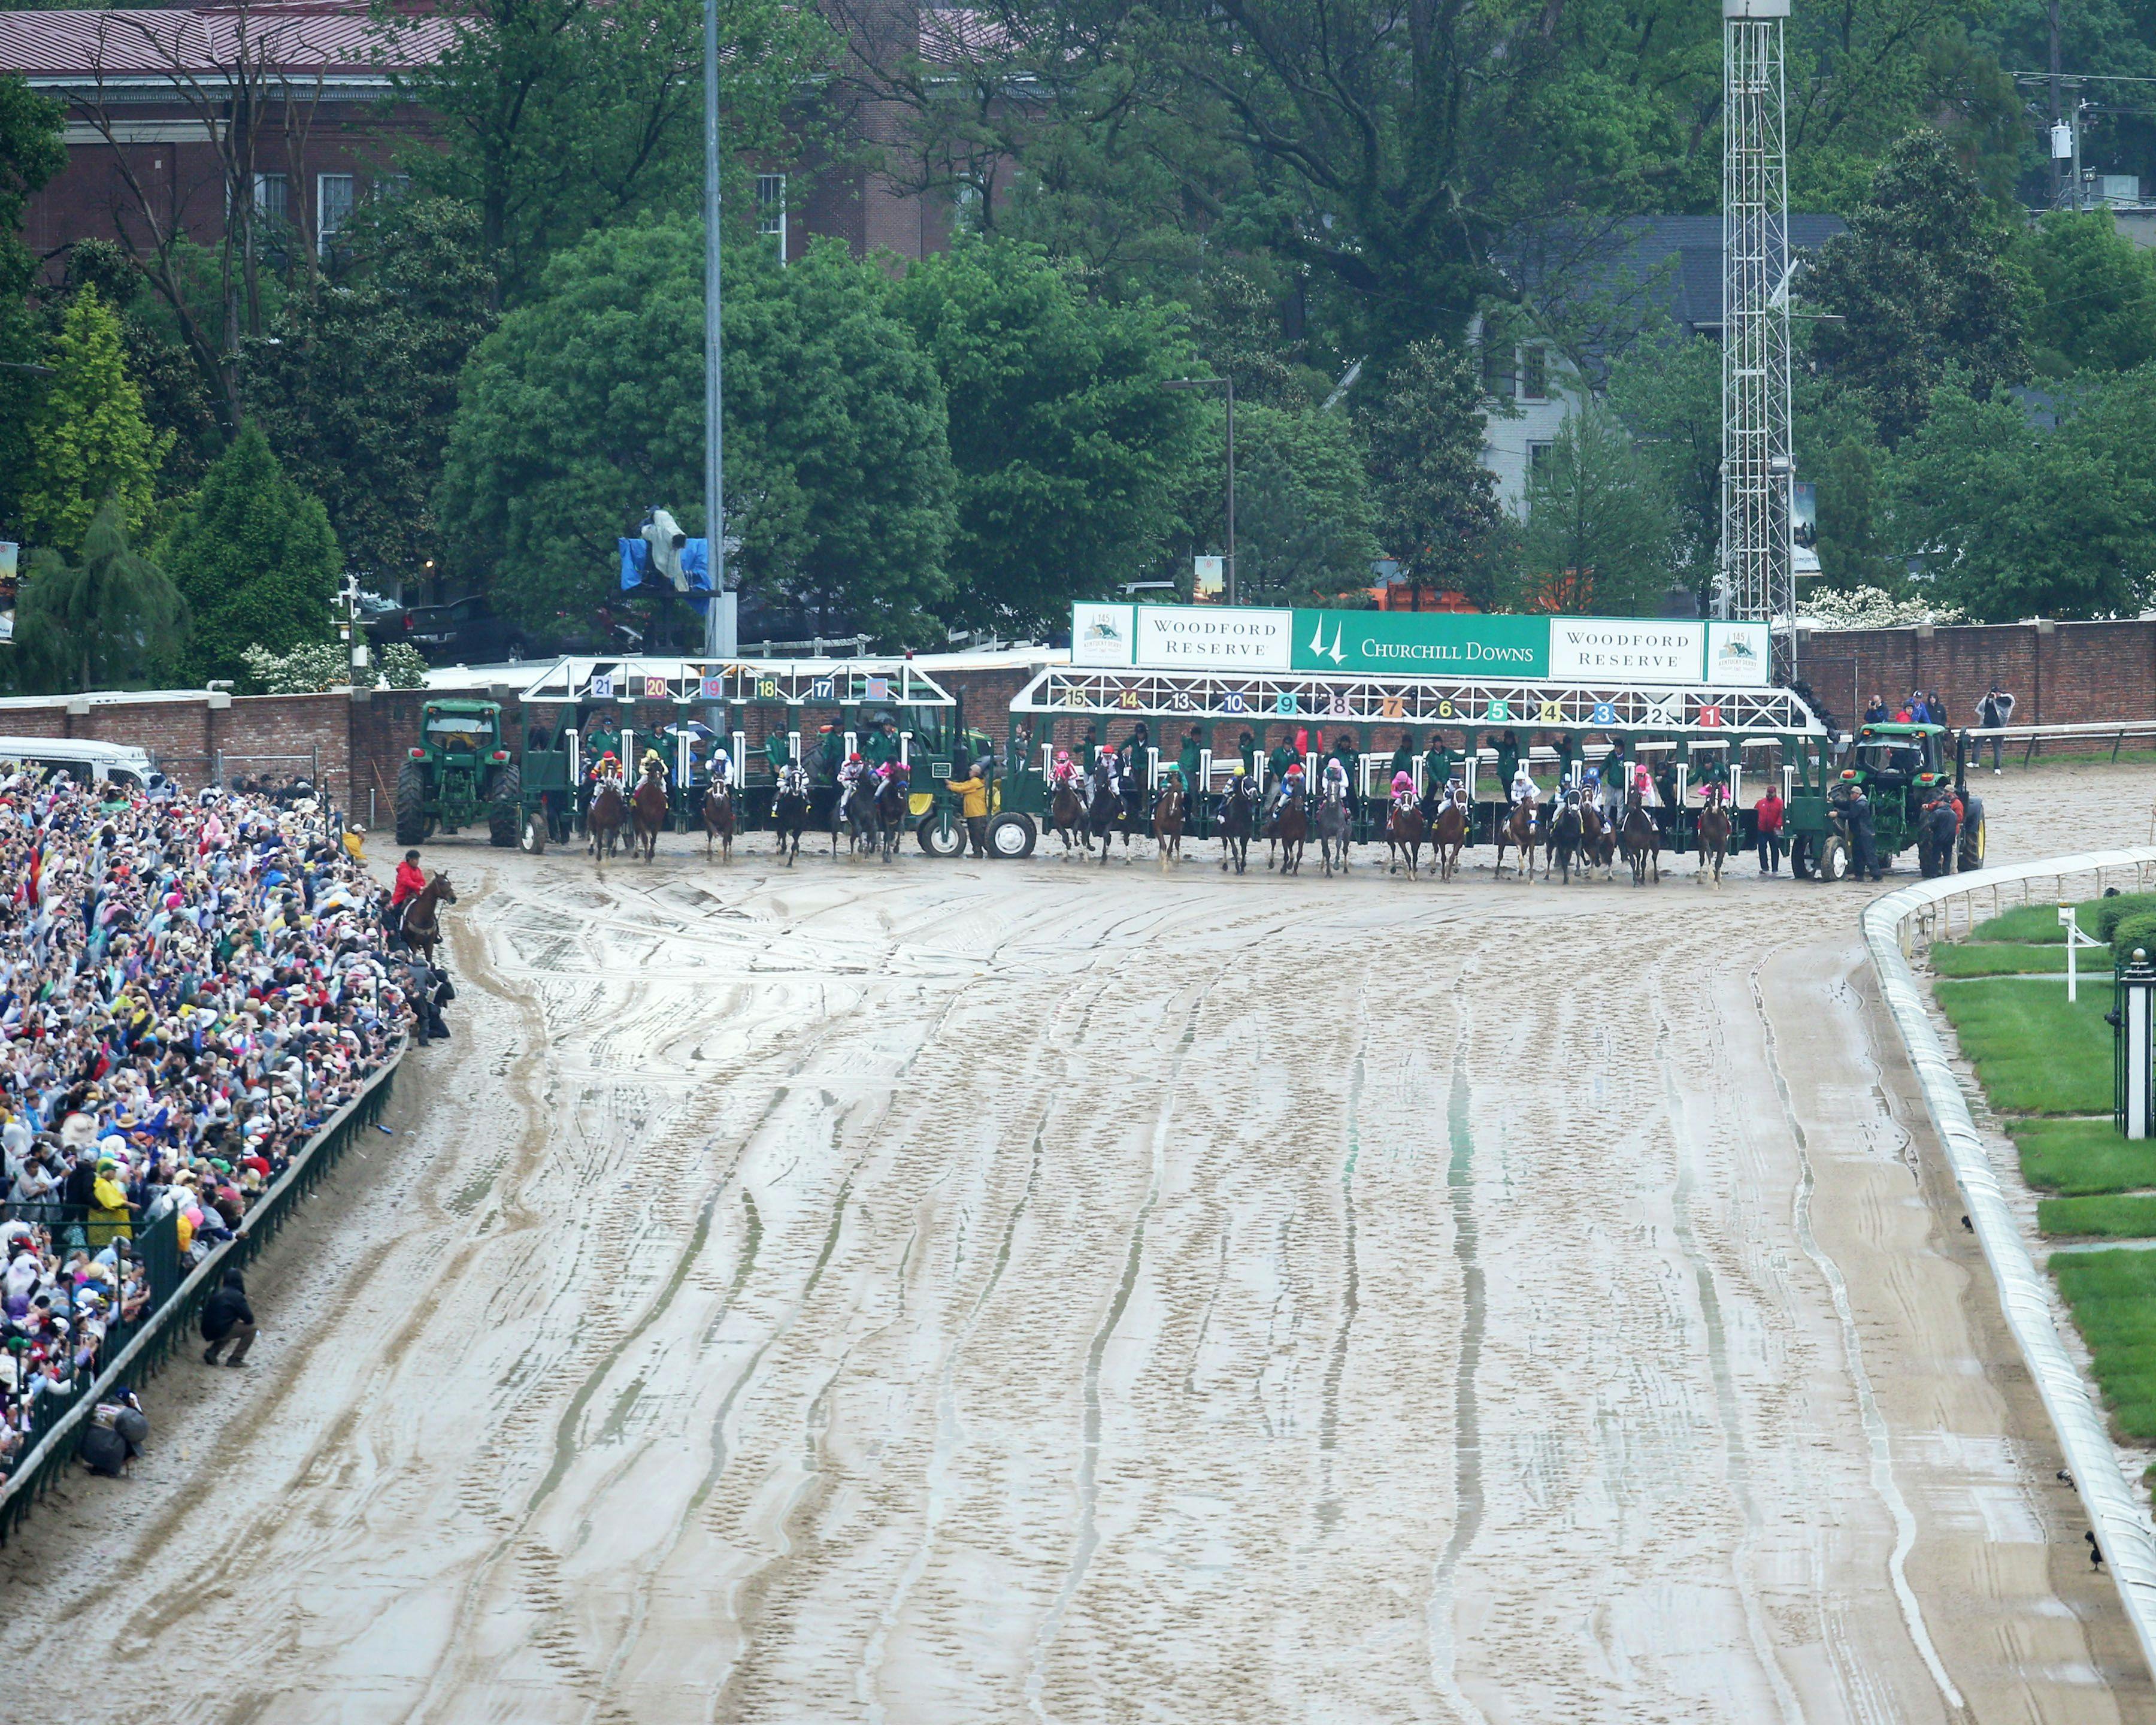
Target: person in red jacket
411, 882
1768, 813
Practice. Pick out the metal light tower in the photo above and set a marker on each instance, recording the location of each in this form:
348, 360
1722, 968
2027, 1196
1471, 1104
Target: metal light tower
1757, 583
719, 613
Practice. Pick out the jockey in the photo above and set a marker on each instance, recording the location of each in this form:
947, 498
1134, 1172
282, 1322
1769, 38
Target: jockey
606, 766
719, 768
652, 760
1523, 786
1065, 770
1335, 780
1404, 788
850, 774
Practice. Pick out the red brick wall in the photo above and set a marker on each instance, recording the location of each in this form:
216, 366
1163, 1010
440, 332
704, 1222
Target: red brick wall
2062, 673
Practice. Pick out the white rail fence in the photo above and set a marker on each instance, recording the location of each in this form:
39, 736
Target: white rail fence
1894, 926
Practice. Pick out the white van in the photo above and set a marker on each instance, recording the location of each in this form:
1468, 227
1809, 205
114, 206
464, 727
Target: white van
97, 762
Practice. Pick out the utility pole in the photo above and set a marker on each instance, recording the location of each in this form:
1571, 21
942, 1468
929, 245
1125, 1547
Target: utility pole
2058, 171
719, 617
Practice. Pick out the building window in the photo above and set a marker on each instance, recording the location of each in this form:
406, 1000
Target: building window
771, 208
333, 207
388, 186
1539, 453
273, 198
1497, 369
1534, 374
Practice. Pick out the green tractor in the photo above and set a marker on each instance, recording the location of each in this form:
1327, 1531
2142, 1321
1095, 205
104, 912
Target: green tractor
1901, 767
459, 772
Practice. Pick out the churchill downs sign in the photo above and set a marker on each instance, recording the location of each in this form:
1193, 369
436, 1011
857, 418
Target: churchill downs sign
1544, 649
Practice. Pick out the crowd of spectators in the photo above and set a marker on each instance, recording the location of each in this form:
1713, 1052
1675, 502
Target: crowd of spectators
189, 986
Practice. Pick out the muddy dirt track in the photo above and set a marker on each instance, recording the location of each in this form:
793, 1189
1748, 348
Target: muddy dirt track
953, 1291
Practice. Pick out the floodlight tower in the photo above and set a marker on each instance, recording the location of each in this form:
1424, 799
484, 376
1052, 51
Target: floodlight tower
1757, 582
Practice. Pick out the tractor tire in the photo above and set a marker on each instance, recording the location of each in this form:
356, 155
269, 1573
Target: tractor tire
1011, 837
1801, 860
411, 805
1834, 859
505, 815
939, 840
533, 841
1969, 855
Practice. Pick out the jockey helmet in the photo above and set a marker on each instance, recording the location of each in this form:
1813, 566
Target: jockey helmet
853, 759
1401, 782
608, 759
1294, 768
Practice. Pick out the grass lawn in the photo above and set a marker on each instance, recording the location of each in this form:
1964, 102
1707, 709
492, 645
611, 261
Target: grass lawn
2033, 1053
2113, 1298
2037, 924
2007, 959
2075, 1158
2111, 1218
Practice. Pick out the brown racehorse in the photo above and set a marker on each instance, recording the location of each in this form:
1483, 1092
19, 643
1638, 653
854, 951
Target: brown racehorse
1641, 841
1713, 833
1517, 830
647, 812
718, 821
1598, 846
1168, 824
1067, 815
1291, 829
605, 819
1448, 833
422, 926
1403, 832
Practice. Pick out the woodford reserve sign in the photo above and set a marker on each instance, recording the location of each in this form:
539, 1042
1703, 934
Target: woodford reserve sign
1425, 644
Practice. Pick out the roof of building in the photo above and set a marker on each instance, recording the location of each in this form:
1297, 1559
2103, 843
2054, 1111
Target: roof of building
210, 42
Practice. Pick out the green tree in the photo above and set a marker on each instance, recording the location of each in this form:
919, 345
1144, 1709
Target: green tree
31, 152
1853, 551
1668, 394
1598, 524
1302, 508
559, 117
174, 400
1436, 504
254, 557
357, 386
578, 414
101, 622
2092, 305
1070, 455
89, 439
2015, 522
1921, 282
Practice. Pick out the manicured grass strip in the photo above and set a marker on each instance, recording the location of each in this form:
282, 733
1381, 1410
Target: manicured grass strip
2075, 1158
2039, 925
2109, 1218
2034, 1054
2005, 958
2112, 1296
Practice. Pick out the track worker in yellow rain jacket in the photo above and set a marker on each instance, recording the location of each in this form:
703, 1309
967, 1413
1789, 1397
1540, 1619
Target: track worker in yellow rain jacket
974, 806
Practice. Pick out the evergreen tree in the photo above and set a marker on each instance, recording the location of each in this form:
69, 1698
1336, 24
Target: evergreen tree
1436, 502
101, 623
88, 438
1600, 524
1921, 282
254, 558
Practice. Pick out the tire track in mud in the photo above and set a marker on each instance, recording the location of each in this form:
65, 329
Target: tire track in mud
1877, 1437
1735, 1455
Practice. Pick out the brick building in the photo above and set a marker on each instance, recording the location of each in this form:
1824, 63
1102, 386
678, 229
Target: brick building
167, 109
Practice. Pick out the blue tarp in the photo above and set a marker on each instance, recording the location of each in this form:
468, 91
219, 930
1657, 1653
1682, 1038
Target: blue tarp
636, 569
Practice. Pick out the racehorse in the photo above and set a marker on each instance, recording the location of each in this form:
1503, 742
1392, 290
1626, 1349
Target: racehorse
891, 802
647, 810
1448, 834
1567, 829
1641, 841
856, 811
1519, 831
789, 811
605, 819
1597, 845
1713, 833
1104, 809
1403, 832
1291, 829
1168, 824
1067, 814
718, 820
1238, 819
1332, 825
421, 925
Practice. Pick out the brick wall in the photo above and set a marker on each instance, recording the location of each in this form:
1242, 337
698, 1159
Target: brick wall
2059, 673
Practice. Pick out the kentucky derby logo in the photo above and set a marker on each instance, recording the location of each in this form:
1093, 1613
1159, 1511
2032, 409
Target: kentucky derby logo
1100, 626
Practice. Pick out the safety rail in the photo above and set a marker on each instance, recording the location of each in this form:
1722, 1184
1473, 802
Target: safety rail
2034, 736
1894, 925
160, 1330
